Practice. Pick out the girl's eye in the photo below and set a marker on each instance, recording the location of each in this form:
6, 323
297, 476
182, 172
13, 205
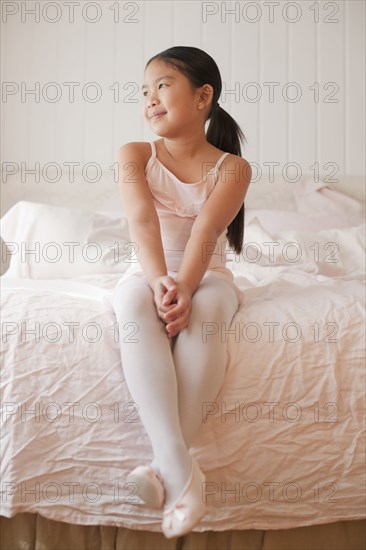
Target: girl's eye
161, 84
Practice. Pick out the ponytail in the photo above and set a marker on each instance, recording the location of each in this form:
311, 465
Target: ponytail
224, 133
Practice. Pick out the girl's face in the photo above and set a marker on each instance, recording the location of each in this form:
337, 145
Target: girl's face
170, 104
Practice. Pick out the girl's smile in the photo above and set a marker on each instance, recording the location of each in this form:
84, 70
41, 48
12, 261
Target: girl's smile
157, 115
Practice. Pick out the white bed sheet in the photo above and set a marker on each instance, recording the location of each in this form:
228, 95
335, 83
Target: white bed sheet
290, 454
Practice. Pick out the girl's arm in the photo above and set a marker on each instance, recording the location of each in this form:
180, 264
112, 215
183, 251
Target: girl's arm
143, 221
216, 215
197, 256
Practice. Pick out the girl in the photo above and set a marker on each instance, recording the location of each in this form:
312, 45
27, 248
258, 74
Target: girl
179, 213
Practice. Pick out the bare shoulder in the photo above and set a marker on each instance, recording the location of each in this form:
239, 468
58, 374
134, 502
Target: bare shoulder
135, 151
238, 165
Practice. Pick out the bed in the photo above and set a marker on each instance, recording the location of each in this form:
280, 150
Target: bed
283, 444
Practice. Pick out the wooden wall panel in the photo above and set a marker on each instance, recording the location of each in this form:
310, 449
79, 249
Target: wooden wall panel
250, 43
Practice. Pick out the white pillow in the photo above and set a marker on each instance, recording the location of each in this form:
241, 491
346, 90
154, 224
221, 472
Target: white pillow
333, 252
316, 207
50, 242
275, 221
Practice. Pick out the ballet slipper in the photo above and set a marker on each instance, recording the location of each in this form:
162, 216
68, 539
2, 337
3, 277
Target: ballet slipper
188, 509
149, 484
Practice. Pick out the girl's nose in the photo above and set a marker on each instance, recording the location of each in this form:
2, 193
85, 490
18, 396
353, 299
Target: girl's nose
151, 102
151, 106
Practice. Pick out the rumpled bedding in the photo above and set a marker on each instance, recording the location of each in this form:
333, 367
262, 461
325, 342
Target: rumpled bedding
282, 445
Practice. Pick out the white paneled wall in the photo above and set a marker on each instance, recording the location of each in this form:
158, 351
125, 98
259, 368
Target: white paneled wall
260, 47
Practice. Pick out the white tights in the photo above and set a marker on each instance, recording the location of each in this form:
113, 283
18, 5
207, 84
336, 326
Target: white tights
170, 379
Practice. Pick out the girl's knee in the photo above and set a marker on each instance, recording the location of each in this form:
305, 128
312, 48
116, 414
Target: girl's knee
134, 298
214, 299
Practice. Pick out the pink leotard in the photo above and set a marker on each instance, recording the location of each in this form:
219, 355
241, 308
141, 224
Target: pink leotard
177, 205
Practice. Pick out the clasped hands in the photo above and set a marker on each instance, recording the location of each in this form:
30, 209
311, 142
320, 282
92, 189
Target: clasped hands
173, 300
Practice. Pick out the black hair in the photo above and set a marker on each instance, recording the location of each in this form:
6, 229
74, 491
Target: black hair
223, 131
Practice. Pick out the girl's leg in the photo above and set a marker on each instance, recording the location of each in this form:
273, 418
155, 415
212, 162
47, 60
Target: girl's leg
148, 366
200, 352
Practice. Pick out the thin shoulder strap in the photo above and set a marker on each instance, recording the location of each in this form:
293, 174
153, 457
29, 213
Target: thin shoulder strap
153, 149
221, 160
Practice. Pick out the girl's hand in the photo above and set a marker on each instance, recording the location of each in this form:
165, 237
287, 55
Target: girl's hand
177, 318
164, 294
173, 302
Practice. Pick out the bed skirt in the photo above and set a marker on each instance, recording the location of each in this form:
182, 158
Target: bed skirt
29, 531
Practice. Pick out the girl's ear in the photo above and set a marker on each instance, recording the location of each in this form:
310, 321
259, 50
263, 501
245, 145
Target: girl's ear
205, 96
